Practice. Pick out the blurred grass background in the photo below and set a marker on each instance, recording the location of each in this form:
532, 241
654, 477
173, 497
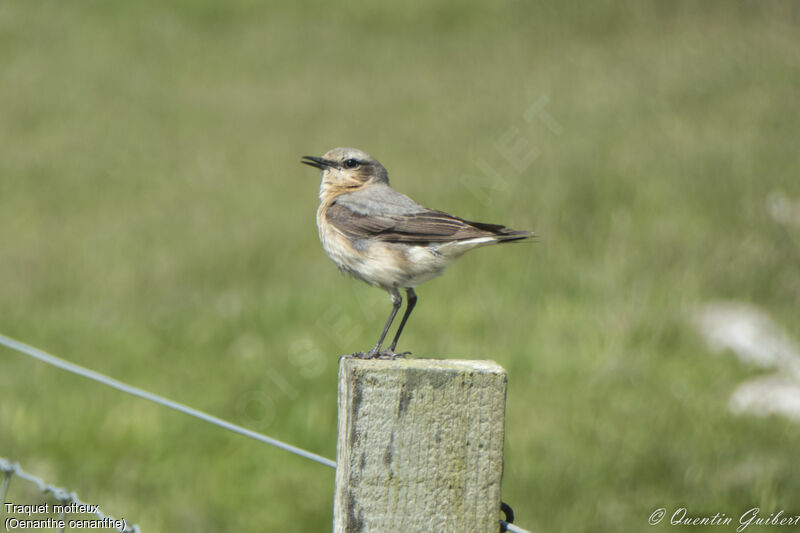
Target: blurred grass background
157, 226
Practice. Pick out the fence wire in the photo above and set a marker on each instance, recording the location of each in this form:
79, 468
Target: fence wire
113, 383
64, 497
50, 359
512, 527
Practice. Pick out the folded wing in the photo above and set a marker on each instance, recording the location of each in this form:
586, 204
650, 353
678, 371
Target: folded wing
423, 227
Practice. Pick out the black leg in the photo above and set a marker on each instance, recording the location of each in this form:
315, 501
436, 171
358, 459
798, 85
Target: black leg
411, 298
397, 301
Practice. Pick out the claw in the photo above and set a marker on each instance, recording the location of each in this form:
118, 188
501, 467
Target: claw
390, 355
385, 355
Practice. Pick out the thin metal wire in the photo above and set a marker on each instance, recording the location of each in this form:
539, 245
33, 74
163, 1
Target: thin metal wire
61, 521
512, 527
110, 382
10, 469
4, 487
113, 383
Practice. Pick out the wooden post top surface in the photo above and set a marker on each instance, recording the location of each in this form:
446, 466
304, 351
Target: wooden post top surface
453, 365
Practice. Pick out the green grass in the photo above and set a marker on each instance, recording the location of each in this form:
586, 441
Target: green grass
156, 225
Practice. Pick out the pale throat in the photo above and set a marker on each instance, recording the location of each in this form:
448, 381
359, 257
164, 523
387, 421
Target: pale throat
328, 190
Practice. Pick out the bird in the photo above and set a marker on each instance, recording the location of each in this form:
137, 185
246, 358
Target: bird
384, 238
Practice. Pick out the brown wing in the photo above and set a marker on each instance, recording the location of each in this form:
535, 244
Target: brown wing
423, 227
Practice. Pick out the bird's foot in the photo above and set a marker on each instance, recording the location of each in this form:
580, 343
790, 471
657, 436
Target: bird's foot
386, 354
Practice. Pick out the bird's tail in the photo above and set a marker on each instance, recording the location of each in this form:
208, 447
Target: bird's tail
502, 233
511, 235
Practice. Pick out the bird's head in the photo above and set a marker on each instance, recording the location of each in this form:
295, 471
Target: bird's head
346, 169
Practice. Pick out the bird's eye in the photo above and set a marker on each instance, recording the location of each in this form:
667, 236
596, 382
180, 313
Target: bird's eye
350, 163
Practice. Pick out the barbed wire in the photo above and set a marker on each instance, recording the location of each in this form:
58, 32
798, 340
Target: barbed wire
135, 391
11, 469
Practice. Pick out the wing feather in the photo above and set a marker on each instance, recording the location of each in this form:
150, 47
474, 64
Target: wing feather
423, 227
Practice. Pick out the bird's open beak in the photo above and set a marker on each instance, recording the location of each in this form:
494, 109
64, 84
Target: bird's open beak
317, 162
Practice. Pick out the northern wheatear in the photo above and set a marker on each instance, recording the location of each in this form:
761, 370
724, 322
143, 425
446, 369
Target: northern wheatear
384, 238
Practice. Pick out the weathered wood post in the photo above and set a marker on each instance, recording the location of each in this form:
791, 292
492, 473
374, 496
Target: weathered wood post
420, 446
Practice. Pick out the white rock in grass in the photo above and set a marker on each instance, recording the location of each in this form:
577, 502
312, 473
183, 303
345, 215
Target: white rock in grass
754, 338
769, 395
750, 334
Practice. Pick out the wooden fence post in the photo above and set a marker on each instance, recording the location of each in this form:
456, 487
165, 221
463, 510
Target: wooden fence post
420, 446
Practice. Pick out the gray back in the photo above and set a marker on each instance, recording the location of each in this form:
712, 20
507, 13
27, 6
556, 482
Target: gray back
379, 199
